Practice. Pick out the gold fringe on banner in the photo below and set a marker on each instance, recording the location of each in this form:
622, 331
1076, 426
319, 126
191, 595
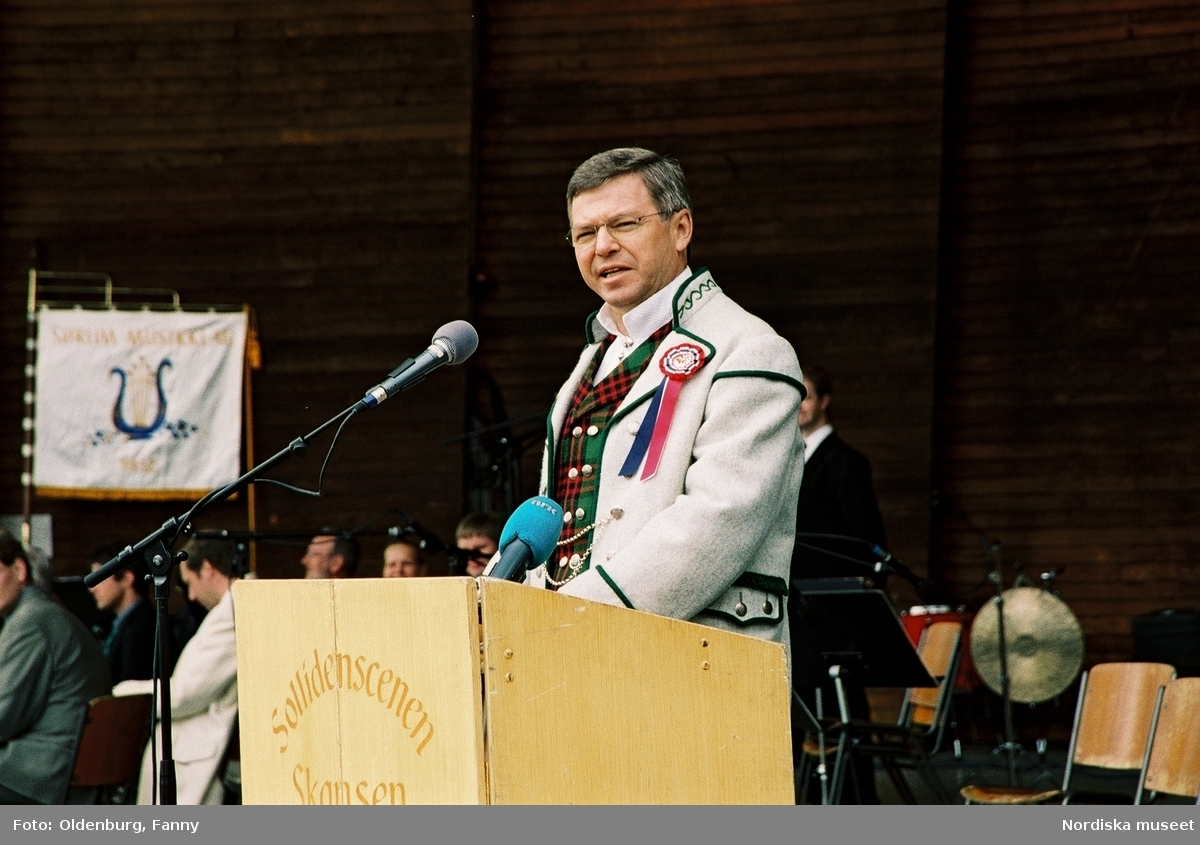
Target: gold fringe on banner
97, 495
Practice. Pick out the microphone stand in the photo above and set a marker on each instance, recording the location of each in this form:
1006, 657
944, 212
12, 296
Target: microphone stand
1010, 746
506, 461
996, 577
155, 549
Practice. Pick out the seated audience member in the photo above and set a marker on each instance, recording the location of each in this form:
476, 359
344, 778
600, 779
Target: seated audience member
130, 643
50, 668
330, 554
204, 700
478, 534
404, 558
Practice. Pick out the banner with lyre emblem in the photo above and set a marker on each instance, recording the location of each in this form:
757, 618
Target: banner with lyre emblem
137, 404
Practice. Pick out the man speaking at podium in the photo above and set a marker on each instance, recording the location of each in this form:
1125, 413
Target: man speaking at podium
673, 447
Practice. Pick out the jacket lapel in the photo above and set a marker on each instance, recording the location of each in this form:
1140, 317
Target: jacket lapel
695, 293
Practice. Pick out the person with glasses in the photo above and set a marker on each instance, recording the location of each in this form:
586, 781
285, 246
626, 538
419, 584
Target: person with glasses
330, 554
673, 447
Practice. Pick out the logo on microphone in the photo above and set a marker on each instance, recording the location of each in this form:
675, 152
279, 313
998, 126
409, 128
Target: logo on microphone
547, 505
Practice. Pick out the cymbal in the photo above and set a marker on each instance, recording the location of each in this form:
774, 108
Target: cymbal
1044, 645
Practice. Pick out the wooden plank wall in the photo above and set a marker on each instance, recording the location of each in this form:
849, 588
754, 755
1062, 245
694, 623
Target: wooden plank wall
810, 134
309, 159
326, 162
1068, 347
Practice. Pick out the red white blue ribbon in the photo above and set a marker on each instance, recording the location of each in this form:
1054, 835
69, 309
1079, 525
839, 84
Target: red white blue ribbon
678, 364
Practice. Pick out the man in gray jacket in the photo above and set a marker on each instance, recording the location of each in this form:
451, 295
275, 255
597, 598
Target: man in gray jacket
672, 446
50, 668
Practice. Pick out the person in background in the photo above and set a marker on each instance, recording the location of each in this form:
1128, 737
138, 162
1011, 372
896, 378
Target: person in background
837, 498
404, 558
204, 699
50, 668
837, 495
129, 646
477, 537
330, 554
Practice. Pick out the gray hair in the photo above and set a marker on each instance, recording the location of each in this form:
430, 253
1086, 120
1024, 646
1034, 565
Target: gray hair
661, 174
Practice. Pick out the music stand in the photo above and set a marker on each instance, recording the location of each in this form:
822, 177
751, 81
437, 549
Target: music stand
859, 635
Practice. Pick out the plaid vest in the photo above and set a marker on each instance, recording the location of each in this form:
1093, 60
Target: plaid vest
577, 473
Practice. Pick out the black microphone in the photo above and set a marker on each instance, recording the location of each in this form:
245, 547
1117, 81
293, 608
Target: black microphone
527, 540
453, 343
926, 589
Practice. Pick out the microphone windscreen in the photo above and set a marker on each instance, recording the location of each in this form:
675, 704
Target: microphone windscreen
537, 523
461, 338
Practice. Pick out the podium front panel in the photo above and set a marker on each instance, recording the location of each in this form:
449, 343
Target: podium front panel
360, 691
591, 704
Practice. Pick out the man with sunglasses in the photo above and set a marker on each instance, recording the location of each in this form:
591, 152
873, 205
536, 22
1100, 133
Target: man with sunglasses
673, 445
476, 539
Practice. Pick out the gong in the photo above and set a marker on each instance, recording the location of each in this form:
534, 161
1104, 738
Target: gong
1044, 645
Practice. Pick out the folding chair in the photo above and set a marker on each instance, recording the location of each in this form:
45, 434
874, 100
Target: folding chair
918, 733
1116, 709
1173, 756
111, 744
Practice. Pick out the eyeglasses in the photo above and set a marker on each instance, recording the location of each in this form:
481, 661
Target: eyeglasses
618, 227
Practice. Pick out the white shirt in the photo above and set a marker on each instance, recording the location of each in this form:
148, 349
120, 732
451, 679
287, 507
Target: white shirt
812, 441
643, 320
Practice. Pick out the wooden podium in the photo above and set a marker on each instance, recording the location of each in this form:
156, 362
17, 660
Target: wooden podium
453, 691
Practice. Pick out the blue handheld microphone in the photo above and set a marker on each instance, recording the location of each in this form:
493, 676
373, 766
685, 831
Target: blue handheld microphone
528, 539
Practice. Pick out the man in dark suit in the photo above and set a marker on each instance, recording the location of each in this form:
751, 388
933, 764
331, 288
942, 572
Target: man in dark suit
130, 643
50, 668
837, 497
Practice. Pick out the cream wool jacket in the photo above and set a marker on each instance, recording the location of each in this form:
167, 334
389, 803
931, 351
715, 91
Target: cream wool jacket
709, 537
204, 704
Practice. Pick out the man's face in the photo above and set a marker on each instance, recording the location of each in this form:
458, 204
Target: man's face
109, 592
319, 561
12, 581
481, 548
400, 560
812, 410
626, 272
204, 587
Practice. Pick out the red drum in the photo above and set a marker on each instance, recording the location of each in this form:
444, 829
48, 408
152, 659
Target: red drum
917, 619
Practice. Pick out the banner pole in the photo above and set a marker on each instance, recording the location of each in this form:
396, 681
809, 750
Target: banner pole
27, 422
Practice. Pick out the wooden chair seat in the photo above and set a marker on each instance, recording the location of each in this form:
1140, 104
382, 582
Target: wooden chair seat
1008, 795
